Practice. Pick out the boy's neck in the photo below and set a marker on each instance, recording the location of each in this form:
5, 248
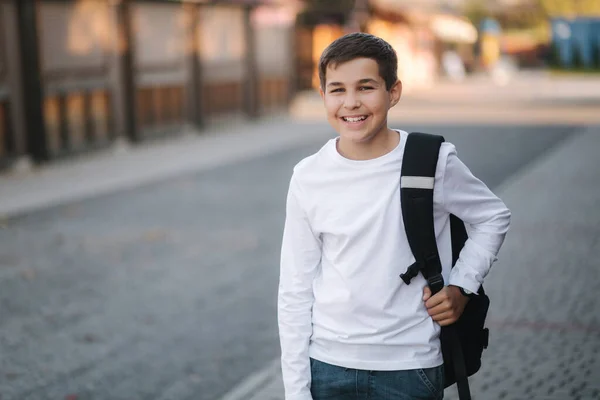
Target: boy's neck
379, 145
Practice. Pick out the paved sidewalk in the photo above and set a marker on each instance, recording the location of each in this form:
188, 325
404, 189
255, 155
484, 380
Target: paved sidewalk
544, 321
123, 168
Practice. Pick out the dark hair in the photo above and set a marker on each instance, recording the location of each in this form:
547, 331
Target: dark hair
361, 45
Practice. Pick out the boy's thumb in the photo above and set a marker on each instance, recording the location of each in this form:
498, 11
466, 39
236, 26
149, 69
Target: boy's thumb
426, 293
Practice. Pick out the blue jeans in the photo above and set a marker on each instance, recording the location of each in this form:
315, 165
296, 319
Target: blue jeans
330, 382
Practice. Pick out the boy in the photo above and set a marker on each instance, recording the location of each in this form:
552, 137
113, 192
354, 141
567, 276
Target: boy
349, 327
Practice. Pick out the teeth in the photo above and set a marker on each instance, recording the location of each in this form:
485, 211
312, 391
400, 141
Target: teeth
356, 119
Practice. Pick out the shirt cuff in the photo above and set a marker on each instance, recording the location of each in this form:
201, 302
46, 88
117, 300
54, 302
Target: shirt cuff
472, 266
466, 285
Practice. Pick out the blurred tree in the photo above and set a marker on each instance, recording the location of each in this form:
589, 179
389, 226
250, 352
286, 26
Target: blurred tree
476, 11
526, 17
571, 8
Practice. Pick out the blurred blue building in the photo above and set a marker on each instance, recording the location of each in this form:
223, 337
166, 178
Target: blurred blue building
576, 42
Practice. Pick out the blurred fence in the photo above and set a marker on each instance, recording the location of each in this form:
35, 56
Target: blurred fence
77, 75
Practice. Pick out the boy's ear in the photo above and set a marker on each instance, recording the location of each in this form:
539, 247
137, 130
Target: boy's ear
321, 92
395, 93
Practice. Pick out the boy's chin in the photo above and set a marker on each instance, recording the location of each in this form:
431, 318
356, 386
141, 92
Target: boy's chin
355, 136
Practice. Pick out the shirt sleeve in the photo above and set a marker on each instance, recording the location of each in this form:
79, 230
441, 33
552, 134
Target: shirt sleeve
487, 219
300, 260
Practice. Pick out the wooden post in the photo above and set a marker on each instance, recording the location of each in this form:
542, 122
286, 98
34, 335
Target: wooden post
37, 142
123, 75
292, 76
14, 80
193, 87
251, 83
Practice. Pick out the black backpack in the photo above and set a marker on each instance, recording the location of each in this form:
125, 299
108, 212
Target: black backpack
462, 342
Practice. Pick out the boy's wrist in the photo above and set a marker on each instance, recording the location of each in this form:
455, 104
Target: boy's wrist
466, 292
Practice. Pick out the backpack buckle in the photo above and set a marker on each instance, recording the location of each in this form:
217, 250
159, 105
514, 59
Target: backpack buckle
411, 272
436, 283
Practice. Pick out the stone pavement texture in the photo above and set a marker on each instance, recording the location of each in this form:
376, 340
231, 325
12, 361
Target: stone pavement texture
544, 320
159, 292
545, 328
168, 291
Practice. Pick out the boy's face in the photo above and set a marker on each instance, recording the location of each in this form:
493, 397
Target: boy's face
356, 99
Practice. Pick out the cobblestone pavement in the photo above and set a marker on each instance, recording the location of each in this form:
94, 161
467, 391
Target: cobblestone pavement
167, 291
544, 319
161, 285
160, 292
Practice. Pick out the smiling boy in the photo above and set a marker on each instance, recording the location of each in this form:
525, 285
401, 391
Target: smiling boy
349, 327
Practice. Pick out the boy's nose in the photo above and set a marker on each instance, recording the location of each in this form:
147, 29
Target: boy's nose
351, 102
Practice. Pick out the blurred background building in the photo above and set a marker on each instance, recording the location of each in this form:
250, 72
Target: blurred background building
79, 75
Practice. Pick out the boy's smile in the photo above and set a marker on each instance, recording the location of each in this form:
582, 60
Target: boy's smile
355, 121
357, 102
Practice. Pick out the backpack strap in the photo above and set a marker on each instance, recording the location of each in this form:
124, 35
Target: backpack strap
419, 164
416, 195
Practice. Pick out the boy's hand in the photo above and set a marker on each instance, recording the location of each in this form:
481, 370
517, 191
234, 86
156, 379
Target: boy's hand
446, 306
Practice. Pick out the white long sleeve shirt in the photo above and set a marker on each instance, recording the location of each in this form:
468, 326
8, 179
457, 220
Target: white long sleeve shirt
341, 299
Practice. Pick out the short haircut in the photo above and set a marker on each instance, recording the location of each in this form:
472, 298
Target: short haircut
361, 45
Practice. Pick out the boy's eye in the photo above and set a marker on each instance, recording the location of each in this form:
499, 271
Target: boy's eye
365, 88
337, 90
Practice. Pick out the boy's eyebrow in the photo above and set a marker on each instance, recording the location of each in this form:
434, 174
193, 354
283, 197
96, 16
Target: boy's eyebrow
368, 80
362, 81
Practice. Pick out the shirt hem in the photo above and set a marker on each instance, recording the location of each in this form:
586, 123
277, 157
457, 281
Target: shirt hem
384, 365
